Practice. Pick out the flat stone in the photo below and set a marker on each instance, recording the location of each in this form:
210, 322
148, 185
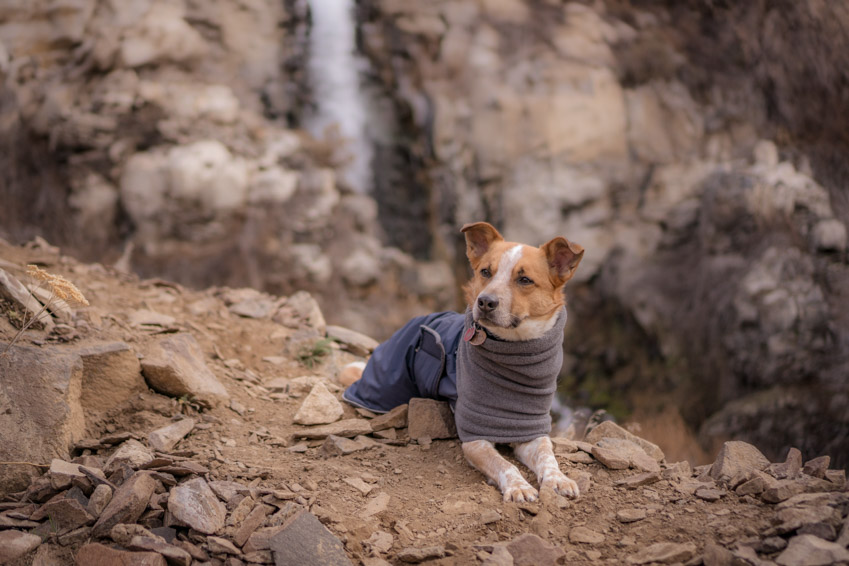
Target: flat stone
111, 376
127, 504
579, 457
412, 555
96, 554
396, 418
226, 490
303, 540
308, 310
638, 480
631, 451
260, 539
319, 407
735, 458
258, 307
194, 504
65, 514
14, 544
166, 438
338, 446
175, 366
611, 459
251, 523
709, 493
175, 556
609, 429
380, 541
837, 477
664, 553
347, 428
376, 505
146, 317
630, 515
794, 518
131, 453
218, 545
359, 485
754, 486
817, 467
428, 418
355, 342
771, 545
585, 536
808, 550
530, 550
500, 556
563, 445
123, 533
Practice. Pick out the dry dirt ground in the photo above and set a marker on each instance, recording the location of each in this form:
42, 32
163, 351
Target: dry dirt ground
435, 498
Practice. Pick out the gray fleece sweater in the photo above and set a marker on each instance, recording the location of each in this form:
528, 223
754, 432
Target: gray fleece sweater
505, 389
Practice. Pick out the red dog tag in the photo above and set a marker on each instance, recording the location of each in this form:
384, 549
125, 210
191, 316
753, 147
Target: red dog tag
469, 333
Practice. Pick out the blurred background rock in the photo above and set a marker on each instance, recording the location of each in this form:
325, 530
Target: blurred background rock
697, 149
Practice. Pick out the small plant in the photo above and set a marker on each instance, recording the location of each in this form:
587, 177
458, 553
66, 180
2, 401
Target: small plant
311, 356
60, 289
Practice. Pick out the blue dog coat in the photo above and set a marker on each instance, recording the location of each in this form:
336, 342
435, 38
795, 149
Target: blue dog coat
419, 360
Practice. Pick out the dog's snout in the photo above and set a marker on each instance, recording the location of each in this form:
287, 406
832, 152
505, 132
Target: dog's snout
487, 303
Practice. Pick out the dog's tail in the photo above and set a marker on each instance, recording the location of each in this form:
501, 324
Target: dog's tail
351, 373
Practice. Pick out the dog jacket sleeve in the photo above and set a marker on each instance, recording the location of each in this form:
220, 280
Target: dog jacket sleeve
419, 360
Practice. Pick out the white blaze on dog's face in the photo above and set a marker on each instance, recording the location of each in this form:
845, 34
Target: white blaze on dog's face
517, 290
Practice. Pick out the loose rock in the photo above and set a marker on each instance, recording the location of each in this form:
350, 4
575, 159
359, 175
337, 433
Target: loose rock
630, 515
14, 544
735, 458
396, 418
355, 342
305, 541
416, 555
664, 553
319, 407
428, 418
96, 554
346, 428
585, 535
808, 550
338, 446
531, 550
609, 429
166, 438
127, 504
194, 503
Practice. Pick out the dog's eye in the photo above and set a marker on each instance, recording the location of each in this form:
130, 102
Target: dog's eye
486, 273
525, 280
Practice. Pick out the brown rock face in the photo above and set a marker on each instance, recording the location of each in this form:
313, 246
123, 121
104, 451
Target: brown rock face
112, 375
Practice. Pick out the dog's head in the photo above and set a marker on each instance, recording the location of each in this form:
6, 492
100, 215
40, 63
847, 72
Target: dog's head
517, 290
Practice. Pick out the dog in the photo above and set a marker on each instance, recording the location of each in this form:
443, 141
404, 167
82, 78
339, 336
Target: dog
505, 353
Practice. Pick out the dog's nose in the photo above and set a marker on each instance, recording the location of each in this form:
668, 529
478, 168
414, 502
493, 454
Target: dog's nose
487, 303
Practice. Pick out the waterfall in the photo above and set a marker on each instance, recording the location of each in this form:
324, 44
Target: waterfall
334, 76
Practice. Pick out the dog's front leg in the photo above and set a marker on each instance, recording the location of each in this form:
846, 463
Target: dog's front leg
538, 455
483, 456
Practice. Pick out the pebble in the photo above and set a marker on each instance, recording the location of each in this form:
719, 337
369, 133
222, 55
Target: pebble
585, 536
630, 515
415, 555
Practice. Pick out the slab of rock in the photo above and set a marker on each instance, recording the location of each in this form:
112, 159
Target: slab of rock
563, 445
166, 438
754, 486
14, 544
355, 342
530, 550
664, 553
65, 514
96, 554
173, 555
339, 446
429, 418
609, 429
611, 459
305, 541
111, 375
218, 545
396, 418
226, 490
709, 493
737, 458
306, 308
175, 366
319, 407
412, 555
781, 490
347, 428
630, 515
632, 452
808, 550
127, 503
639, 480
251, 523
794, 518
194, 504
132, 453
790, 468
376, 505
40, 388
146, 317
585, 536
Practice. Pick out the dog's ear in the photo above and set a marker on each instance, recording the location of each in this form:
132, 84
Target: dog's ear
479, 237
563, 258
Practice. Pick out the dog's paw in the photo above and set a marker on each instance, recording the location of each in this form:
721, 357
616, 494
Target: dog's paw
520, 492
561, 485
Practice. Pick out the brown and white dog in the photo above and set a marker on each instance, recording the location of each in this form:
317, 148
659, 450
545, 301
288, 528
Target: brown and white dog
516, 294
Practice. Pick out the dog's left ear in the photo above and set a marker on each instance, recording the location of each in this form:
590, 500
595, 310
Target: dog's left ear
479, 237
563, 258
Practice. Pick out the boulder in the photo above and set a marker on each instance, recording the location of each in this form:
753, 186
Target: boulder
40, 392
175, 366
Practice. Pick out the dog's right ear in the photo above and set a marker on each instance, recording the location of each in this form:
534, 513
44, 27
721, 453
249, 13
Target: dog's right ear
479, 238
